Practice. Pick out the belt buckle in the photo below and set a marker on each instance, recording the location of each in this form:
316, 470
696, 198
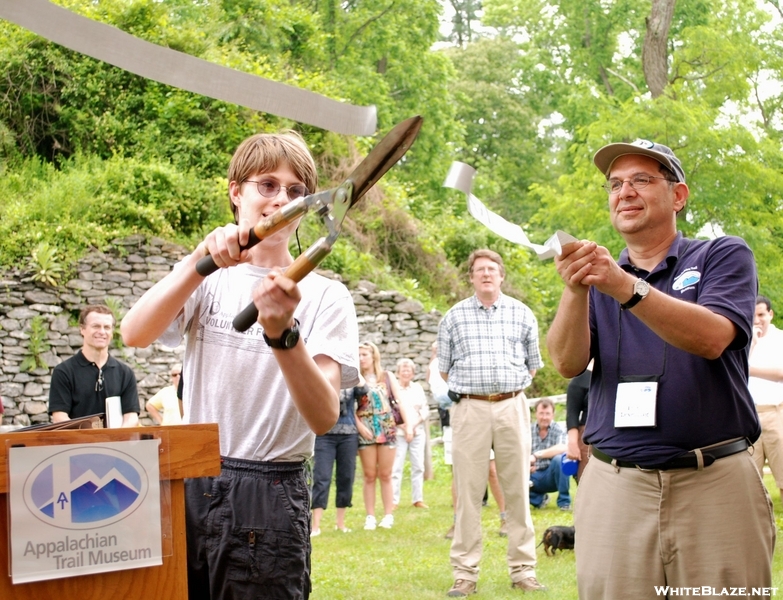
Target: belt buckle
493, 397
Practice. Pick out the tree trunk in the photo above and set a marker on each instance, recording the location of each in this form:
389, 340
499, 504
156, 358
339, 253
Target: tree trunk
654, 52
330, 25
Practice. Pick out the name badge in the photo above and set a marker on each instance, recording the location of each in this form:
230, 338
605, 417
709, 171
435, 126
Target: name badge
635, 404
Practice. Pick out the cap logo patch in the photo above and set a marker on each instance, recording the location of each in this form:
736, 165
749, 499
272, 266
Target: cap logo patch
644, 144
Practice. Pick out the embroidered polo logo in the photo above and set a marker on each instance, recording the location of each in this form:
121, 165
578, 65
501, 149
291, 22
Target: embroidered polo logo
686, 279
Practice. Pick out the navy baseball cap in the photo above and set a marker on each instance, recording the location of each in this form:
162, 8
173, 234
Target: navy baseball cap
606, 156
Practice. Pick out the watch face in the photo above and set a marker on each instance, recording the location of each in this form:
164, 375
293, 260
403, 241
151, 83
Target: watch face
291, 338
641, 287
288, 339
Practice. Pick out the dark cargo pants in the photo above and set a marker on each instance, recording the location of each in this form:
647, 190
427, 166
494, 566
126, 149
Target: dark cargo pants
248, 532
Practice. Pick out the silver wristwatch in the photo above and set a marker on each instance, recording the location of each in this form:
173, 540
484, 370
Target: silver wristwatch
640, 290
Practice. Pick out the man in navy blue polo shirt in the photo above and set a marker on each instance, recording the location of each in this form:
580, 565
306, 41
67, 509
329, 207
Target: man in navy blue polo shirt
673, 498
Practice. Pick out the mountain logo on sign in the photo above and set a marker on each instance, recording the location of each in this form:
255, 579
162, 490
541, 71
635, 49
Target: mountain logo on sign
81, 489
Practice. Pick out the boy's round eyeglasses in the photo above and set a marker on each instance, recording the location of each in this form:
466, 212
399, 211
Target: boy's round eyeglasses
638, 182
269, 188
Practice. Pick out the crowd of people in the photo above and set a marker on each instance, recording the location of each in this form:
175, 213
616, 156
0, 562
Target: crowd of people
658, 345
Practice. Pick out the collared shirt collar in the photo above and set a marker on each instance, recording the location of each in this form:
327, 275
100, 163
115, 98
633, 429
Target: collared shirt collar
84, 361
672, 256
495, 304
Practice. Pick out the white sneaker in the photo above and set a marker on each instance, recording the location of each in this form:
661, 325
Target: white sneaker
387, 521
315, 532
369, 523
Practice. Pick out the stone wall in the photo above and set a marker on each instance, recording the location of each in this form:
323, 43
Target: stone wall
399, 326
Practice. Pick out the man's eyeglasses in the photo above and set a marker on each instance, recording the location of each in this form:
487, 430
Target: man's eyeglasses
269, 188
99, 383
638, 182
488, 270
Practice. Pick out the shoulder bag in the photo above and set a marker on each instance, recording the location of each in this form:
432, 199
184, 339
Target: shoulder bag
395, 407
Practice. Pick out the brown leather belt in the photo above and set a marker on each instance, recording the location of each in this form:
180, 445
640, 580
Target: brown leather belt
688, 460
490, 397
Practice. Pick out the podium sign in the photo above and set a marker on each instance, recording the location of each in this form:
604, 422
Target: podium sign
78, 509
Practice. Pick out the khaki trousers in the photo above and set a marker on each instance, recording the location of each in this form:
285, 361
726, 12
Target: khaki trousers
769, 446
477, 427
584, 454
683, 528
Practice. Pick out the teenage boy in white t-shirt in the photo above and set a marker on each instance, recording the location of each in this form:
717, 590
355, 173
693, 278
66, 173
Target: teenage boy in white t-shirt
271, 389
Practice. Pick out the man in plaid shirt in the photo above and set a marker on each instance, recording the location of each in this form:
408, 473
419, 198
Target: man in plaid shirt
549, 444
488, 352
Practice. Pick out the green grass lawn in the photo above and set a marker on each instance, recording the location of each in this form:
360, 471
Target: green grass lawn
411, 560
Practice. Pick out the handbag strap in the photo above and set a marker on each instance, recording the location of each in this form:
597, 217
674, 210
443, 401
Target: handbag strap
389, 392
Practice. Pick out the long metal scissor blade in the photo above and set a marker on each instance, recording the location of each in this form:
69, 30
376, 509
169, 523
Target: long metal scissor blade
384, 156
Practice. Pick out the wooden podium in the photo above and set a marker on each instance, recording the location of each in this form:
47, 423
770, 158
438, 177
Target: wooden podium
186, 451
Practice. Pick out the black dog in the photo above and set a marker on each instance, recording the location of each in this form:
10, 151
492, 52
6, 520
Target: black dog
558, 537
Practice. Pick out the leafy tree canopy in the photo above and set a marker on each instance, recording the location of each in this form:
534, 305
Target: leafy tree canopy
527, 92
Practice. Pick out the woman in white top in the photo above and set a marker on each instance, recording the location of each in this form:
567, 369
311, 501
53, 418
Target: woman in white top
412, 397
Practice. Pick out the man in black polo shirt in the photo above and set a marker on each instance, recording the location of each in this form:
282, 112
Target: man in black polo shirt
671, 498
81, 384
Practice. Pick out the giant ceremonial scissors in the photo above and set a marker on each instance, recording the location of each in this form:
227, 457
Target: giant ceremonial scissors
331, 205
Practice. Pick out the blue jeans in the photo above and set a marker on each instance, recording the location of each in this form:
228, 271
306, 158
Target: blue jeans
551, 479
333, 448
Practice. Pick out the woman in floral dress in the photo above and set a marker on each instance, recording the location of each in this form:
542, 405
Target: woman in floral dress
377, 434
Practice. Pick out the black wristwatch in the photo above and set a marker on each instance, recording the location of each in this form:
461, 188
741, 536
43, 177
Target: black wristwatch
640, 290
287, 340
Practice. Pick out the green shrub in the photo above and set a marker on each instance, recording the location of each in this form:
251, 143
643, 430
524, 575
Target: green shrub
45, 264
88, 202
36, 346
